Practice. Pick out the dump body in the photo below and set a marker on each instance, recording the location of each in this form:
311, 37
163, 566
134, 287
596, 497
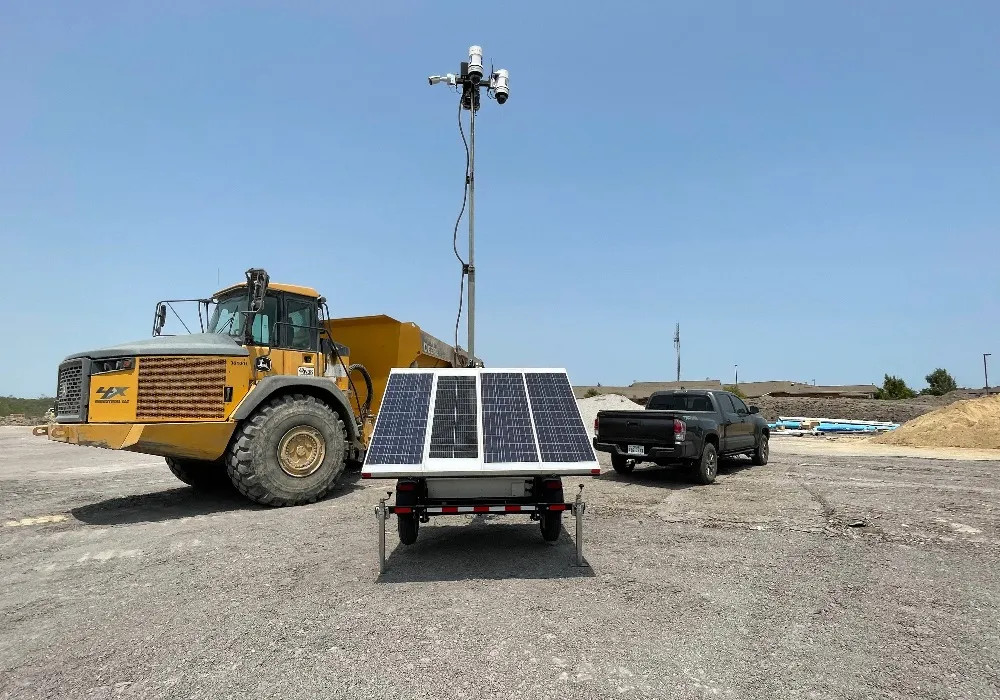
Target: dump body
382, 343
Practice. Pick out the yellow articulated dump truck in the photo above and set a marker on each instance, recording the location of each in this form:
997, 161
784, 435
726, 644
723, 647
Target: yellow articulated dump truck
272, 394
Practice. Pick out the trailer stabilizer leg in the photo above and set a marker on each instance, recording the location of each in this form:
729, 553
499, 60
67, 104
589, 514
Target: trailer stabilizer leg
381, 515
578, 508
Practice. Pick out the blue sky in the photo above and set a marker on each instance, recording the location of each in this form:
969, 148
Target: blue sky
809, 188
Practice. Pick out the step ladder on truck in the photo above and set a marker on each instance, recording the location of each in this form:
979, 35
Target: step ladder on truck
479, 441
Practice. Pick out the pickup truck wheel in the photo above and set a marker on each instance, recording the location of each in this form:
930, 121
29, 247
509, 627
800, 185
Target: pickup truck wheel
760, 453
622, 464
707, 467
409, 528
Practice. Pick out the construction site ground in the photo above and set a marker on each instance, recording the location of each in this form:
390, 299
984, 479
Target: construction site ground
836, 571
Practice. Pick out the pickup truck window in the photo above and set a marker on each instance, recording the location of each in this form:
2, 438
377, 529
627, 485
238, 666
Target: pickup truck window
741, 407
725, 403
680, 402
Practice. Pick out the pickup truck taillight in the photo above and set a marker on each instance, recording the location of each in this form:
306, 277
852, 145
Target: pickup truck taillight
680, 430
596, 425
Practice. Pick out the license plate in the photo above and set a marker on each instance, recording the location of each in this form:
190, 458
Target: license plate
636, 450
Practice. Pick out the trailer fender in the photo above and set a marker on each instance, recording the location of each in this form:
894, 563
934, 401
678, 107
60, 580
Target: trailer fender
323, 389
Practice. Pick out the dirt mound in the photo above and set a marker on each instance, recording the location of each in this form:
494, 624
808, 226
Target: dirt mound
604, 402
973, 423
851, 409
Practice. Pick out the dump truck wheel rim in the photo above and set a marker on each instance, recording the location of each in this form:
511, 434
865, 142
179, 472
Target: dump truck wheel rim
301, 451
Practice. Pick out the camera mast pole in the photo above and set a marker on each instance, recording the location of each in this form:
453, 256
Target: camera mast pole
470, 78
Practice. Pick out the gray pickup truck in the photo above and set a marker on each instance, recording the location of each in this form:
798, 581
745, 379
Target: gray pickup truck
694, 428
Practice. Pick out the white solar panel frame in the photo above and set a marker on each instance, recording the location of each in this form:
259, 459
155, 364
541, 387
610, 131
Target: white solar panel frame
467, 466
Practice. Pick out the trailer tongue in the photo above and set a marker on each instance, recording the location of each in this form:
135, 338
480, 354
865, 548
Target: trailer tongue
479, 441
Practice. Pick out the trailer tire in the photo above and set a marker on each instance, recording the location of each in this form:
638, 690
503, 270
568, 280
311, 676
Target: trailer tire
551, 523
409, 528
201, 474
622, 464
761, 451
313, 442
707, 467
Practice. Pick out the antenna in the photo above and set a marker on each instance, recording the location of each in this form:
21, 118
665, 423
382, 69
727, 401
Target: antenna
677, 347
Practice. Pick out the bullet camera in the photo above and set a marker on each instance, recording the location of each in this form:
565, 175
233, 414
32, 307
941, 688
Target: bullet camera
448, 78
475, 64
498, 83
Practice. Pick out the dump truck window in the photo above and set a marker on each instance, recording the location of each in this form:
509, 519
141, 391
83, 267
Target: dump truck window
227, 318
302, 322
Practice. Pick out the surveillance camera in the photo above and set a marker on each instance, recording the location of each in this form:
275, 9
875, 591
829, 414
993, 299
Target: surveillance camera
448, 78
498, 81
475, 64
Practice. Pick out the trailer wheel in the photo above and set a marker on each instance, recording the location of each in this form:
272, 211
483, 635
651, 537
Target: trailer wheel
409, 528
760, 453
290, 452
706, 468
622, 464
201, 474
551, 522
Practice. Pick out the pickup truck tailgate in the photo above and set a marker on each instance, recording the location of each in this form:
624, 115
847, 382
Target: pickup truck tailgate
640, 427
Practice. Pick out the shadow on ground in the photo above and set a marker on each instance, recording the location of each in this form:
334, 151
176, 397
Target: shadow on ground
184, 502
672, 476
485, 548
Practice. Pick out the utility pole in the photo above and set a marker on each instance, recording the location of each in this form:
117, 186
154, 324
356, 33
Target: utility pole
986, 376
737, 367
470, 80
677, 347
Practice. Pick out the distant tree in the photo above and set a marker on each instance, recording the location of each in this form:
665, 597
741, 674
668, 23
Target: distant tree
591, 393
733, 389
894, 388
939, 383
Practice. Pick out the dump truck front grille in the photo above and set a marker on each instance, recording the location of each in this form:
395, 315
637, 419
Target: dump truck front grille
181, 388
70, 395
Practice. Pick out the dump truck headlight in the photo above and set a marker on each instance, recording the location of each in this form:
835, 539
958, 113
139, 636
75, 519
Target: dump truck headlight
115, 364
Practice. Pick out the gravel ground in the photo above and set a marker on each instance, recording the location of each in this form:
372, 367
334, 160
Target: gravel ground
121, 583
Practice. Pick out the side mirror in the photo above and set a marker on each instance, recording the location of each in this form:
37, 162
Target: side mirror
160, 320
754, 409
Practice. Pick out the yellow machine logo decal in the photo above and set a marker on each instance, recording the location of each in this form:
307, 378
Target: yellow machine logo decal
111, 395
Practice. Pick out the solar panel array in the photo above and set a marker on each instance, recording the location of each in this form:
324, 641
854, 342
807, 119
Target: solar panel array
526, 417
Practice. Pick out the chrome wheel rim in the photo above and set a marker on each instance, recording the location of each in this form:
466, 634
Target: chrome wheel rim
764, 447
711, 464
301, 451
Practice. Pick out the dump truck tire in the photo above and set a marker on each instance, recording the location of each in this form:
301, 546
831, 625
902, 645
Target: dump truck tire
198, 473
290, 451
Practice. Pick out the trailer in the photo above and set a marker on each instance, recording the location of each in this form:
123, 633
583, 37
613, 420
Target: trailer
479, 442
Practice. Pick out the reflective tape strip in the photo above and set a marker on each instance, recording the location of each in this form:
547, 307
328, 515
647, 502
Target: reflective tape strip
457, 510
